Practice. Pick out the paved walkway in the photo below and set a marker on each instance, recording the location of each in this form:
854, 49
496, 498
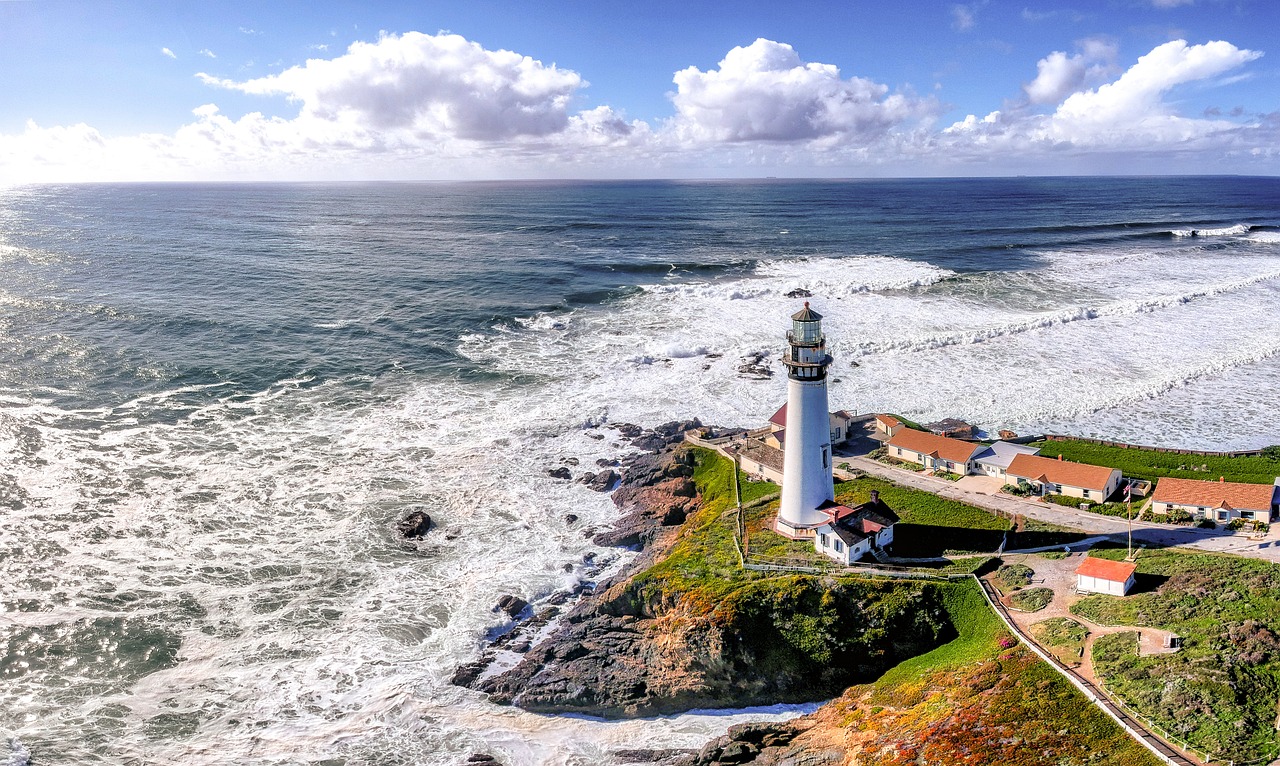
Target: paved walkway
1160, 535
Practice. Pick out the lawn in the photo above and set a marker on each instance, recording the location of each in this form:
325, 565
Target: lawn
1220, 692
1151, 465
930, 526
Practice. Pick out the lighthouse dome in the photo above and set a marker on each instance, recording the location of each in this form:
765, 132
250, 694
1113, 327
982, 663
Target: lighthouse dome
806, 326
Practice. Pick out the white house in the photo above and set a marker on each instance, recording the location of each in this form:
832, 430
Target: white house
852, 533
1062, 477
1219, 500
1114, 578
932, 451
996, 459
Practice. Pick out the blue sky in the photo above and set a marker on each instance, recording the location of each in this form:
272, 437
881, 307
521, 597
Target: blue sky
176, 91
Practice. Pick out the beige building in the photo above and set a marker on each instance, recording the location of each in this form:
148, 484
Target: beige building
934, 452
1220, 501
888, 425
1062, 477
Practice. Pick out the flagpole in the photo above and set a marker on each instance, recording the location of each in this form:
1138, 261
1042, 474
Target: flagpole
1128, 504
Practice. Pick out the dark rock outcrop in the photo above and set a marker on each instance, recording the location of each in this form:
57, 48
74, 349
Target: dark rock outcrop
952, 428
559, 473
799, 292
512, 605
600, 482
414, 525
755, 365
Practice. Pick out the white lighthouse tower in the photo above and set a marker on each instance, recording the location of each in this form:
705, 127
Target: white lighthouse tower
806, 461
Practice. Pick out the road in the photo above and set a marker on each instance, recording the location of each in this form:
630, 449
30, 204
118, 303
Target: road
1161, 535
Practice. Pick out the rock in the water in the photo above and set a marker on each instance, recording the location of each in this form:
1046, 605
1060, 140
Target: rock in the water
570, 461
482, 758
604, 462
597, 437
414, 525
952, 429
601, 482
799, 292
512, 605
559, 473
453, 532
570, 518
1007, 434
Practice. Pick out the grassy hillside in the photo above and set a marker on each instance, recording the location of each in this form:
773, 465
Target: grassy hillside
1220, 692
1151, 465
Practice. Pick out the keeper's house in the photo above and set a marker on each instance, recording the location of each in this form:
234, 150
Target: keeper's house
1221, 501
852, 533
1062, 477
1114, 578
934, 452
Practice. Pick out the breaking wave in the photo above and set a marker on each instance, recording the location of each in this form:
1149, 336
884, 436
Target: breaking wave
1226, 231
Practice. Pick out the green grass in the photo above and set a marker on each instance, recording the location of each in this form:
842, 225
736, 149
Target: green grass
1220, 692
1063, 637
1052, 555
978, 635
1150, 465
1032, 599
1010, 577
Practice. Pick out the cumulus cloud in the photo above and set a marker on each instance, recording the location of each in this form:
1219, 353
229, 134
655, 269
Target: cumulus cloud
432, 84
764, 92
169, 53
208, 53
1129, 113
1059, 75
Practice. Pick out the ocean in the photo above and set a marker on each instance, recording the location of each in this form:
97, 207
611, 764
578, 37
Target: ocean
215, 400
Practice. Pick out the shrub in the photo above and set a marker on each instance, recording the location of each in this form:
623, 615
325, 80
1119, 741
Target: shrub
1236, 524
1015, 489
1032, 600
1207, 524
1014, 576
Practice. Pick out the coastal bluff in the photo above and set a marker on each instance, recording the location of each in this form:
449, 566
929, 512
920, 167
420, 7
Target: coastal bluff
646, 643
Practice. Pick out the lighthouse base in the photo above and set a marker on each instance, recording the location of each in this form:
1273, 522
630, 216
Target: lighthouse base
795, 531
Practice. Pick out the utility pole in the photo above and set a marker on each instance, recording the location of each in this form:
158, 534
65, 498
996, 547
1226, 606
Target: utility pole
1128, 505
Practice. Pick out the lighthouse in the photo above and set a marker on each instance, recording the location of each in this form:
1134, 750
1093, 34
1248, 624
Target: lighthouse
806, 461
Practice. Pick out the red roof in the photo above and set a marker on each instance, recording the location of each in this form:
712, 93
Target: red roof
1215, 494
933, 445
1046, 469
889, 421
780, 417
1106, 569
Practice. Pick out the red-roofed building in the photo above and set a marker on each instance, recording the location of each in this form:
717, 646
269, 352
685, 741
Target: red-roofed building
1220, 501
1113, 578
935, 452
851, 533
889, 425
1063, 477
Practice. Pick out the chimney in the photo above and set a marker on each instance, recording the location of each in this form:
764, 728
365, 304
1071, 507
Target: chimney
1222, 480
875, 497
1059, 456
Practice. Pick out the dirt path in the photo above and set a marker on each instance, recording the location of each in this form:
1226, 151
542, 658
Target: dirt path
1059, 576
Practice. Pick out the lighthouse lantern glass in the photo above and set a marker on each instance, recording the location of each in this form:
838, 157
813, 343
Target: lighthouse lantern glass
806, 332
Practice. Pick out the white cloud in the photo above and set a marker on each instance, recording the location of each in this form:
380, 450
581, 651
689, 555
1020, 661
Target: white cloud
431, 84
764, 92
169, 53
439, 106
1059, 75
962, 18
208, 53
1128, 114
1171, 3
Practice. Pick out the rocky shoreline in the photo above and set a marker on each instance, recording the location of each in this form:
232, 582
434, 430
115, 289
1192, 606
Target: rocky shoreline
607, 651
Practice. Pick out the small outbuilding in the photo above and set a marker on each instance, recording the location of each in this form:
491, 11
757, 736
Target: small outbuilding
1114, 578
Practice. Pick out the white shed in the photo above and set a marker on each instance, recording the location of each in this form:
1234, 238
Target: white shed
1114, 578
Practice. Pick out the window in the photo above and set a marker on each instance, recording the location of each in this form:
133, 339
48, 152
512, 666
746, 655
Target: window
825, 544
1223, 515
1246, 514
1086, 493
1168, 507
839, 546
826, 456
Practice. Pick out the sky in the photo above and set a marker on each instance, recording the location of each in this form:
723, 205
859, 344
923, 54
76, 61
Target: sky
114, 90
